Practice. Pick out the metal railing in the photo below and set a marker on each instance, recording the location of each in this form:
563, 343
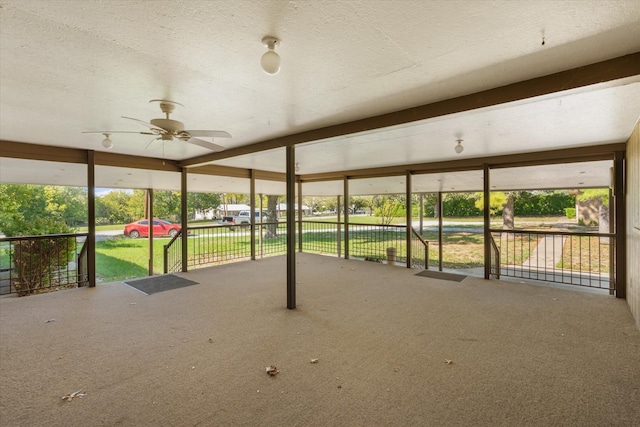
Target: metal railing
495, 258
370, 241
219, 244
419, 251
582, 259
172, 254
325, 238
32, 264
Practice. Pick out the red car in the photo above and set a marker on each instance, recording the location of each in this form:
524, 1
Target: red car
160, 228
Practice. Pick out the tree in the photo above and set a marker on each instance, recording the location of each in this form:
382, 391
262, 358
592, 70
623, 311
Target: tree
67, 204
430, 205
272, 217
499, 202
32, 210
237, 198
115, 208
388, 207
602, 196
326, 203
543, 202
497, 199
136, 204
202, 202
460, 205
166, 205
360, 202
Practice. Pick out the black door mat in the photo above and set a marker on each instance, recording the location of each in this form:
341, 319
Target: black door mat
442, 275
155, 284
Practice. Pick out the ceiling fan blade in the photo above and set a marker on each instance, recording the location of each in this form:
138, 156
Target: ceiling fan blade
209, 133
119, 131
205, 144
149, 125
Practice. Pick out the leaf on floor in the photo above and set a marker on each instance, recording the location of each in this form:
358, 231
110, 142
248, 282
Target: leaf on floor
69, 397
272, 370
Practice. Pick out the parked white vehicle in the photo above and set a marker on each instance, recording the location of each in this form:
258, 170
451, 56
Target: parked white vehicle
244, 217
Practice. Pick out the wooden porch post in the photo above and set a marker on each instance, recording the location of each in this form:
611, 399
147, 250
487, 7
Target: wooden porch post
408, 217
421, 213
299, 216
339, 235
487, 223
346, 218
291, 224
619, 191
183, 220
252, 212
440, 213
91, 213
150, 224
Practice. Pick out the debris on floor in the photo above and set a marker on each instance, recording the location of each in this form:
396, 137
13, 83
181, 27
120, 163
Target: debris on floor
69, 397
210, 340
50, 320
272, 370
315, 360
448, 361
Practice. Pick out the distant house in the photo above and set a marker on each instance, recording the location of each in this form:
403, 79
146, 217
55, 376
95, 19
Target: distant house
282, 208
230, 209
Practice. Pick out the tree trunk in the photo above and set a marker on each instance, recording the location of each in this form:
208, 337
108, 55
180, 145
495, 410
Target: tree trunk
603, 224
507, 213
272, 217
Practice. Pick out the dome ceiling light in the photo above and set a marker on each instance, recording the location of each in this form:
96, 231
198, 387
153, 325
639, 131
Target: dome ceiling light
270, 61
107, 142
459, 148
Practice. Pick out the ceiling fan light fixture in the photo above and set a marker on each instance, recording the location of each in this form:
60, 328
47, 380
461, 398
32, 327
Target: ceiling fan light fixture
107, 142
270, 61
459, 148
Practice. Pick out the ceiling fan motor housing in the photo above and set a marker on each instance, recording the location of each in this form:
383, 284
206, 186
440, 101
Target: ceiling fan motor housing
168, 124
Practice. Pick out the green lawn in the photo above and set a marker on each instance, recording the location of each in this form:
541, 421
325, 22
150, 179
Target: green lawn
109, 227
124, 258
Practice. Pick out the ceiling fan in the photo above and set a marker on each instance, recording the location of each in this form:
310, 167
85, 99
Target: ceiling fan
167, 129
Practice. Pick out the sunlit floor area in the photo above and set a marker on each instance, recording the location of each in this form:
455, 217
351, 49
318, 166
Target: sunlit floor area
392, 348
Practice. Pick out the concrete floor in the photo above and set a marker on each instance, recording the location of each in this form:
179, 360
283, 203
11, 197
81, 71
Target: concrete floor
392, 348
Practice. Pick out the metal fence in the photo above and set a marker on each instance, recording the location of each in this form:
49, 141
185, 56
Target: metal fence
212, 245
419, 251
33, 264
370, 242
221, 244
583, 259
325, 238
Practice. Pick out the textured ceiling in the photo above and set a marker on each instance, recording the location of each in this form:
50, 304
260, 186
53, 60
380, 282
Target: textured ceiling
67, 67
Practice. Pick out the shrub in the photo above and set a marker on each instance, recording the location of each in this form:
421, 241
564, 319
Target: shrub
570, 213
37, 261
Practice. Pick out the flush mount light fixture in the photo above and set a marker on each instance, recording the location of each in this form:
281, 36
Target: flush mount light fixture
107, 142
270, 61
459, 148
